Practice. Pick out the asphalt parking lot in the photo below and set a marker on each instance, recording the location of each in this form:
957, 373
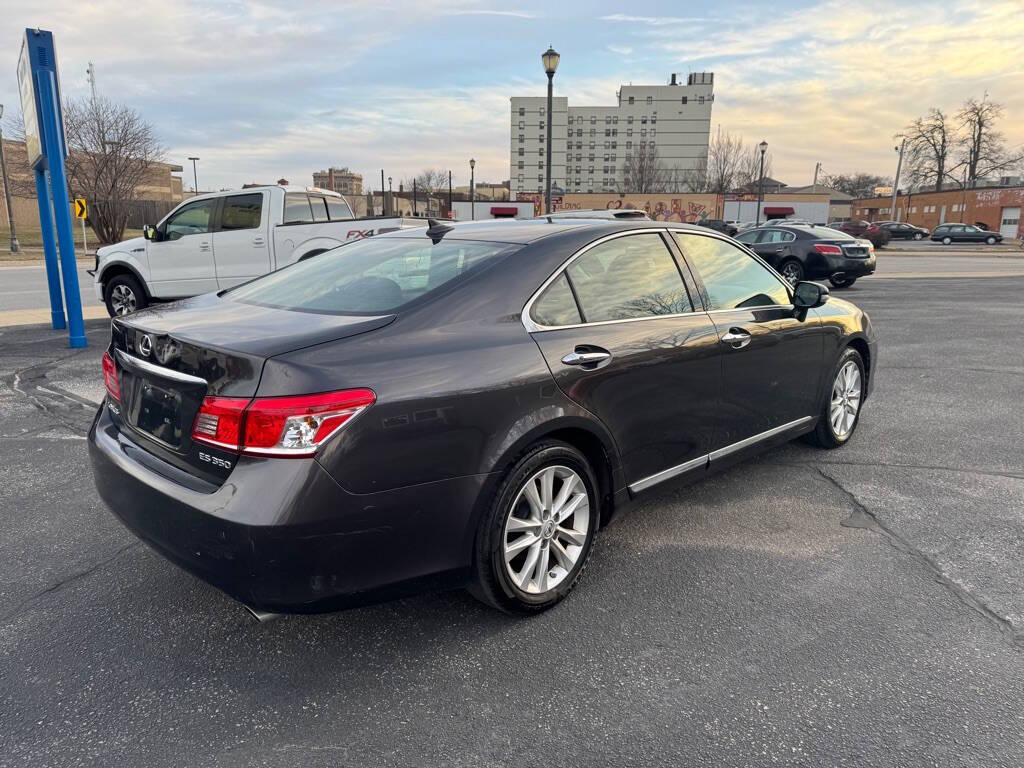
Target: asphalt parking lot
862, 607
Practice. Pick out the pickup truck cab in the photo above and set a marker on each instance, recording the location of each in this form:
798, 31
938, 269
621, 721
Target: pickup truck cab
216, 241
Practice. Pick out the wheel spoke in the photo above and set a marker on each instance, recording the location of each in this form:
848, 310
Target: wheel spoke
540, 574
570, 509
563, 494
573, 537
561, 555
533, 499
519, 524
517, 546
523, 577
547, 485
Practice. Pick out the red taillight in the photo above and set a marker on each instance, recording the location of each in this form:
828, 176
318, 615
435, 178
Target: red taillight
110, 377
277, 426
219, 421
832, 250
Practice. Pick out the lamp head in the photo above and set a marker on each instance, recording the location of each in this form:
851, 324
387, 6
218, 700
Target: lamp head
550, 58
763, 146
472, 163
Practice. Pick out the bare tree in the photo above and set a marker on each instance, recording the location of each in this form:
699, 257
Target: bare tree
930, 141
981, 147
430, 181
694, 179
22, 185
749, 169
111, 150
858, 185
644, 173
725, 156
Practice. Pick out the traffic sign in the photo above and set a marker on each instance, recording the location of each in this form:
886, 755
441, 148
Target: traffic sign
80, 208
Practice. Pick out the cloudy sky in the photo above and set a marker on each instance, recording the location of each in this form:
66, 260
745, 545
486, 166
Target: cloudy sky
261, 90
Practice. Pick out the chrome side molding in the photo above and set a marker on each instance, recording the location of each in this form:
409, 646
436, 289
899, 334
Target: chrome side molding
721, 453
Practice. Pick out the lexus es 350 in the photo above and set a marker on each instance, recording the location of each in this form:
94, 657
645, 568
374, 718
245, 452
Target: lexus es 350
460, 405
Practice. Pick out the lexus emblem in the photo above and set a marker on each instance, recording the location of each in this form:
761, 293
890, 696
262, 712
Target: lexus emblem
145, 345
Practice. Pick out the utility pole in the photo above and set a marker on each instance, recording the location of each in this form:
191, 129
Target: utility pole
414, 197
15, 246
195, 176
383, 200
896, 181
91, 74
451, 213
817, 167
763, 146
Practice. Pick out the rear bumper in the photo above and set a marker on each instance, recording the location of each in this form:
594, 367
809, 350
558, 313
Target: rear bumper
281, 535
829, 266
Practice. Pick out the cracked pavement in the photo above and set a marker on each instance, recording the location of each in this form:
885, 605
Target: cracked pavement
860, 607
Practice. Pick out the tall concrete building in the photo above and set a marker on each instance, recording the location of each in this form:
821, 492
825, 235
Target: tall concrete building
339, 180
591, 145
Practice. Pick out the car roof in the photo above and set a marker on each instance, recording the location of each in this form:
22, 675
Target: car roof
530, 230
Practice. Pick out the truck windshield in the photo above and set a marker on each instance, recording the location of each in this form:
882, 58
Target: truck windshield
373, 276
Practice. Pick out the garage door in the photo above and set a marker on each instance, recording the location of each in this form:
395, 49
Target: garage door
1009, 222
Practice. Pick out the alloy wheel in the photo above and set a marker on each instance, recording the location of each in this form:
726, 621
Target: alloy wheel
846, 397
792, 272
547, 529
122, 299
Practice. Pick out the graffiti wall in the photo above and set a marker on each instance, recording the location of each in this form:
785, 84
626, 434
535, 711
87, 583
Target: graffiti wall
691, 208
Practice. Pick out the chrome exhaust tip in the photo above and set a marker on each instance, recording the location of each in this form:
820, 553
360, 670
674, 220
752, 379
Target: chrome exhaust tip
261, 616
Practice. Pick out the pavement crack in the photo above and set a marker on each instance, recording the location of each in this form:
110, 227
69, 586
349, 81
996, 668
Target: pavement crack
76, 576
862, 517
33, 384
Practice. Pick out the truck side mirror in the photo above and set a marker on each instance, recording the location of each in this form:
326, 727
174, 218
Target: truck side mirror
149, 232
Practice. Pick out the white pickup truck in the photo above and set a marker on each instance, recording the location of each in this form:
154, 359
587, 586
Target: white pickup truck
216, 241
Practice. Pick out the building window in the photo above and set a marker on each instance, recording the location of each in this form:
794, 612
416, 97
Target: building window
522, 111
593, 119
590, 169
630, 99
607, 131
653, 131
542, 110
629, 145
521, 138
650, 100
607, 119
615, 145
629, 131
542, 125
522, 123
700, 99
522, 151
590, 157
607, 145
520, 178
521, 165
913, 209
684, 100
629, 120
644, 119
643, 131
540, 164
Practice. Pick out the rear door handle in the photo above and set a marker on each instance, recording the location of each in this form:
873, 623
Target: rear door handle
737, 338
586, 358
204, 246
258, 241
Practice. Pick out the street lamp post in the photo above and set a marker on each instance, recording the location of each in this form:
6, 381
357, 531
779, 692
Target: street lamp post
451, 214
896, 181
195, 176
472, 189
763, 146
550, 58
391, 199
15, 246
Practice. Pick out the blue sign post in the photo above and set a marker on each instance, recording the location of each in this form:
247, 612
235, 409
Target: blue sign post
47, 148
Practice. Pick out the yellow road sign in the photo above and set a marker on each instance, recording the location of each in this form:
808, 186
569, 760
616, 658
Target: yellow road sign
80, 208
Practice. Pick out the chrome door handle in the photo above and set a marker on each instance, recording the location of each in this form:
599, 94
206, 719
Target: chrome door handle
204, 246
737, 338
585, 358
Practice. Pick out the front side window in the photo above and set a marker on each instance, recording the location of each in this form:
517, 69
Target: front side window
372, 276
732, 277
241, 212
192, 219
296, 208
628, 277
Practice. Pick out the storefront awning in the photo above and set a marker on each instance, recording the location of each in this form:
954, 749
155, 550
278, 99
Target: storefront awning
782, 210
499, 210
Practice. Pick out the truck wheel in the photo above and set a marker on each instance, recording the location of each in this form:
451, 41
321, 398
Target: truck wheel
124, 295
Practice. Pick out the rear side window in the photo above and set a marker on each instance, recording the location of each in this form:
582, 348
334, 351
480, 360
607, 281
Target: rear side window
372, 276
732, 277
628, 277
338, 209
296, 208
241, 212
556, 306
777, 236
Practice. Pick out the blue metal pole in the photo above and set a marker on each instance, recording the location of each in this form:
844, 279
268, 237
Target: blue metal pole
50, 251
62, 213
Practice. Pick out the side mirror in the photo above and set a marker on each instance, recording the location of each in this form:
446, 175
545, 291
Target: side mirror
149, 232
807, 295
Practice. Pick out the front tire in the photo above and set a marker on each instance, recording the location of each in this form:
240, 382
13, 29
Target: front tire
840, 409
535, 538
990, 240
918, 236
123, 295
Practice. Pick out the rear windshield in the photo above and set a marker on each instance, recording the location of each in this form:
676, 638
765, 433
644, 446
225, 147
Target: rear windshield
832, 234
372, 276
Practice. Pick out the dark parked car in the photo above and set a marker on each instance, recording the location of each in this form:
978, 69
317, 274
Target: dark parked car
964, 233
899, 230
867, 230
462, 405
799, 253
719, 225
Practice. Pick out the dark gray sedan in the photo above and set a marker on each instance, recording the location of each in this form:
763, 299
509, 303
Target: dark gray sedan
964, 233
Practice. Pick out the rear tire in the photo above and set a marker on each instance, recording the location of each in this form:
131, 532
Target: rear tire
947, 240
842, 282
532, 545
843, 399
792, 270
123, 295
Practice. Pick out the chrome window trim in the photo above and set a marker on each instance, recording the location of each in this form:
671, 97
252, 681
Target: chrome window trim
129, 361
721, 453
535, 327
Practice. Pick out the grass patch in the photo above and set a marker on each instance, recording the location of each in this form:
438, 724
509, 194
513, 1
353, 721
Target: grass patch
31, 241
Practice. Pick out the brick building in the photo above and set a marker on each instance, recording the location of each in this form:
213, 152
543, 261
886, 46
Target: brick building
340, 180
998, 208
